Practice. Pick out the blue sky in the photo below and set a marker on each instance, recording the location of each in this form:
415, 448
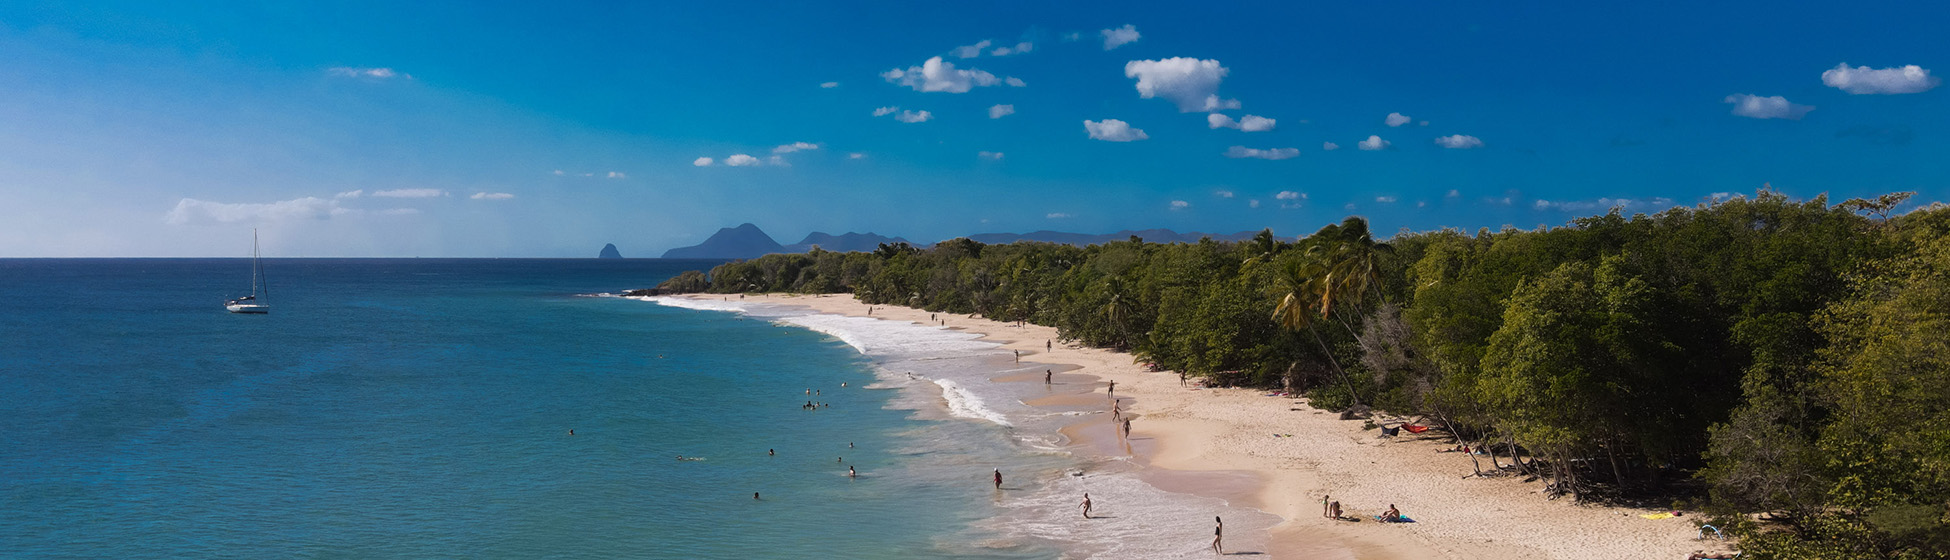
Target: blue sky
504, 129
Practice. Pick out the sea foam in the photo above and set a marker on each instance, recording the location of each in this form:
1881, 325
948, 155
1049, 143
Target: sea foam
966, 405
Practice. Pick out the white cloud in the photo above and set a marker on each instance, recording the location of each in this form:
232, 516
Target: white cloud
1248, 123
829, 85
559, 173
1020, 48
939, 75
1058, 215
1290, 195
1385, 199
616, 175
777, 160
1119, 37
1191, 83
1396, 119
1329, 146
1453, 193
350, 194
742, 160
411, 193
999, 111
1271, 153
1073, 36
914, 116
794, 147
1602, 204
190, 210
1113, 130
1254, 203
703, 162
1222, 194
1014, 81
882, 111
1421, 203
491, 196
991, 156
856, 155
374, 73
1758, 107
971, 51
398, 212
1180, 205
1373, 143
1459, 141
1865, 80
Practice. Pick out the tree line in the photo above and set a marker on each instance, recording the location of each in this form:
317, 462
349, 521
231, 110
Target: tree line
1783, 364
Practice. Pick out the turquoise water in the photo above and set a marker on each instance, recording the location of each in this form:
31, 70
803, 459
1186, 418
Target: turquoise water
422, 409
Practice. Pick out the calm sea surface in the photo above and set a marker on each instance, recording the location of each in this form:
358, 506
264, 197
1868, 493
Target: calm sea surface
416, 408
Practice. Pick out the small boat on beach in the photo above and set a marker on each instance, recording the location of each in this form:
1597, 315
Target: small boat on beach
253, 303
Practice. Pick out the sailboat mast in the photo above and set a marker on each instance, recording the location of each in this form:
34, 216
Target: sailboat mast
255, 270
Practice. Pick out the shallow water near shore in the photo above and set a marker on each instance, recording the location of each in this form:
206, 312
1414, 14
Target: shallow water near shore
421, 409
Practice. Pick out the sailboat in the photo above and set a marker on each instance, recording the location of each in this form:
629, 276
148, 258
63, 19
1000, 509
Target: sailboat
253, 303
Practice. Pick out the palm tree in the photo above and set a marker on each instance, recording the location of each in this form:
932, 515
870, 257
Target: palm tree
1303, 283
1348, 255
1261, 249
1115, 311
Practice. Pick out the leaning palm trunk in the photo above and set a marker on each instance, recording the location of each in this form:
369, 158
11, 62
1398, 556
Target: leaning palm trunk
1337, 365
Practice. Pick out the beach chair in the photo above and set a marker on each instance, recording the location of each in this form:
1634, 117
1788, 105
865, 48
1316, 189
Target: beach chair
1717, 535
1391, 432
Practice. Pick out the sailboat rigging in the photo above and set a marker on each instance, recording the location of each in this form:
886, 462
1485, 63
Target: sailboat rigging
253, 303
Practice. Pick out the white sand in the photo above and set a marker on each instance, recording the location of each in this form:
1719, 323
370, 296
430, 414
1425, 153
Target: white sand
1185, 432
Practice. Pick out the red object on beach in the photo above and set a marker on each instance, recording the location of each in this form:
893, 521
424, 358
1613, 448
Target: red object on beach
1414, 429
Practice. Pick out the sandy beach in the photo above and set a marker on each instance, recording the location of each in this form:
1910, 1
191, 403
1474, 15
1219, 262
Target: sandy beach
1222, 443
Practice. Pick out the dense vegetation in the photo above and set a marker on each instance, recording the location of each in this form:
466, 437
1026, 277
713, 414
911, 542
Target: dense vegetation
1789, 357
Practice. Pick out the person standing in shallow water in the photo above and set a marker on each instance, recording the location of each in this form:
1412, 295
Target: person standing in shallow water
1047, 374
1218, 535
1086, 505
998, 479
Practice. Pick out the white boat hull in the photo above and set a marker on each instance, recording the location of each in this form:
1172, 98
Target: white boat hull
248, 308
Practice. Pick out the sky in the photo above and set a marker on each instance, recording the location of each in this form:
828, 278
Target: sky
501, 129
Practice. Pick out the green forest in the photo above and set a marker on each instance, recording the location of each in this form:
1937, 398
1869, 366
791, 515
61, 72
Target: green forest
1782, 365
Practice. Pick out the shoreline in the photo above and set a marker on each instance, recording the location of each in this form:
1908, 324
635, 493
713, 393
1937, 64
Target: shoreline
1220, 443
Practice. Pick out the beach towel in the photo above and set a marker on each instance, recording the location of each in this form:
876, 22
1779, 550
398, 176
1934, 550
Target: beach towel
1391, 431
1402, 519
1414, 429
1658, 515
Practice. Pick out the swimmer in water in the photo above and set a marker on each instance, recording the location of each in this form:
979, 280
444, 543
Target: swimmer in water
850, 473
998, 479
572, 432
754, 495
771, 452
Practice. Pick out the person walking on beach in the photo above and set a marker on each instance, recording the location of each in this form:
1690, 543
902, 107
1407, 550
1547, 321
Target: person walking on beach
1018, 355
1127, 426
998, 479
1048, 345
1325, 508
1086, 505
1113, 386
1047, 374
1116, 413
1218, 535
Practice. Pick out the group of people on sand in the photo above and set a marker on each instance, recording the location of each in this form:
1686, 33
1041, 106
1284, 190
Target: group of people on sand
1331, 509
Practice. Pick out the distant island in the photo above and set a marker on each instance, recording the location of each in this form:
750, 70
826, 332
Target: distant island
610, 252
747, 241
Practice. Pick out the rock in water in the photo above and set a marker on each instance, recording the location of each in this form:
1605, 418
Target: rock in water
610, 252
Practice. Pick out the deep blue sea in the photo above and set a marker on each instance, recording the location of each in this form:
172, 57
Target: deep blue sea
422, 408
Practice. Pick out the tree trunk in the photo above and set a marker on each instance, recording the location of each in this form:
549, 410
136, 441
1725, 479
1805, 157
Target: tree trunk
1618, 477
1337, 365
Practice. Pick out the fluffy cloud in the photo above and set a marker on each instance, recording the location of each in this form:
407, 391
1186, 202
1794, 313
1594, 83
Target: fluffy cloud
1599, 204
742, 160
411, 193
1290, 195
1373, 143
1020, 48
1191, 83
1865, 80
1014, 81
703, 162
1453, 193
1329, 146
1248, 123
1058, 215
1396, 119
1385, 199
913, 116
856, 155
1273, 153
350, 194
1119, 37
491, 196
794, 147
373, 73
939, 75
1113, 130
999, 111
991, 156
1180, 205
1222, 194
190, 210
882, 111
1758, 107
971, 51
1252, 203
829, 85
1459, 141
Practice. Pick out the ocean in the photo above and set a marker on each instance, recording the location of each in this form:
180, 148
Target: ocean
423, 408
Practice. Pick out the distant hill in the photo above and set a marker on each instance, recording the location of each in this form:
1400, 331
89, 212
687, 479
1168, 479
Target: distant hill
747, 241
848, 242
742, 242
609, 252
1151, 235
